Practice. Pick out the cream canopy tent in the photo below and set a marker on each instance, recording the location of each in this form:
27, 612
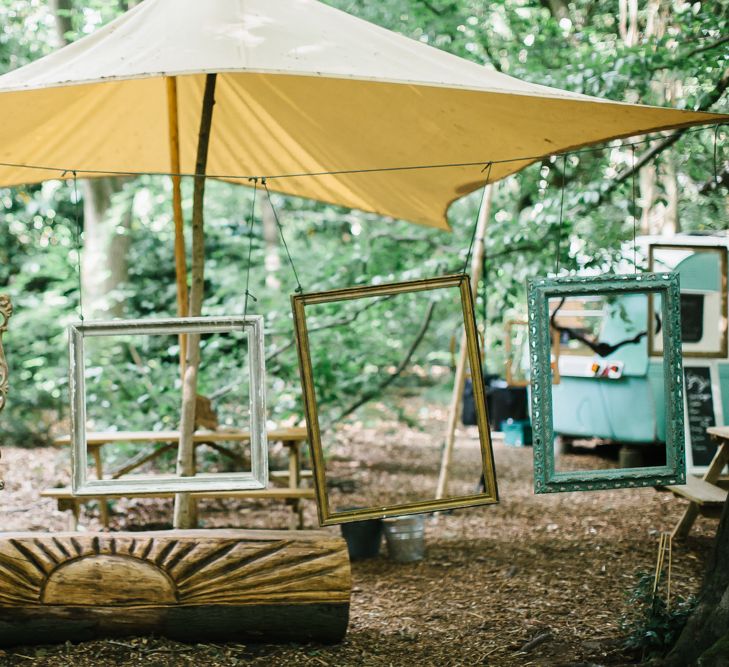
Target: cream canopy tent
302, 88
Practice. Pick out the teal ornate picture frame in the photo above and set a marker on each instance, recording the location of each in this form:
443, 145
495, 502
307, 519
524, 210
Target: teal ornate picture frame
540, 291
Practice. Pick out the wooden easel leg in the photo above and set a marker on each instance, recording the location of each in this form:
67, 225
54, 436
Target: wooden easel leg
297, 516
75, 514
460, 379
681, 531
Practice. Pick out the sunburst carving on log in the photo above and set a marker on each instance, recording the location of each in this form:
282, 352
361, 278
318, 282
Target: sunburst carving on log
197, 585
134, 569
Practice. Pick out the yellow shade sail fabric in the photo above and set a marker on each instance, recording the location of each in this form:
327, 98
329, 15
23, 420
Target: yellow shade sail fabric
302, 88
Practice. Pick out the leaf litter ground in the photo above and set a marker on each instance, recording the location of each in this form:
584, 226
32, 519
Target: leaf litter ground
534, 580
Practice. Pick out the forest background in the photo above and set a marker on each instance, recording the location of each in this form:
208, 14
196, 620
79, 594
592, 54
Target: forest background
663, 52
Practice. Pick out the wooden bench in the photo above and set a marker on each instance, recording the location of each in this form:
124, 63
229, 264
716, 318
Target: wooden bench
162, 441
705, 496
67, 501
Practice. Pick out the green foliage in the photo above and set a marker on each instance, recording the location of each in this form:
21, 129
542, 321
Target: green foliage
653, 627
677, 59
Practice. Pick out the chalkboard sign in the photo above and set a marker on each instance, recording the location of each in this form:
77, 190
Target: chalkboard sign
700, 402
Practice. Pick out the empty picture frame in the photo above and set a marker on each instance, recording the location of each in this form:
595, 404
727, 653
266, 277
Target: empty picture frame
516, 342
257, 478
703, 271
516, 338
540, 291
462, 291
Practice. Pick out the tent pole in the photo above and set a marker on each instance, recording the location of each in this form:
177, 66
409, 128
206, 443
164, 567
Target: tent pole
180, 260
460, 380
184, 513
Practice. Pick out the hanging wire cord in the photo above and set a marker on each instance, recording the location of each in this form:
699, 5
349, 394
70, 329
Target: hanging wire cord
77, 242
250, 245
299, 289
339, 172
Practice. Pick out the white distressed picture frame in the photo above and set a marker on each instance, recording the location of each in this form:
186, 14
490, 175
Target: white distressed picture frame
257, 478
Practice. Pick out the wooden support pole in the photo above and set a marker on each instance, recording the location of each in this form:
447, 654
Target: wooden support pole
184, 515
6, 310
460, 380
180, 259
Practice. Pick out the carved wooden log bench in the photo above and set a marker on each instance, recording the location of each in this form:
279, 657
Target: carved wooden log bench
195, 585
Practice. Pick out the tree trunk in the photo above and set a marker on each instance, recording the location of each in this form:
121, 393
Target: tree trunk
61, 10
184, 515
558, 8
272, 261
706, 635
647, 180
106, 242
628, 22
671, 221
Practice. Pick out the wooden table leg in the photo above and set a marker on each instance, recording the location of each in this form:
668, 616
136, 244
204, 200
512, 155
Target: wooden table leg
712, 474
103, 505
684, 524
297, 518
193, 500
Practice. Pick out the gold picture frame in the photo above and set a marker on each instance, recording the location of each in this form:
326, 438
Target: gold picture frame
299, 303
723, 347
509, 371
508, 349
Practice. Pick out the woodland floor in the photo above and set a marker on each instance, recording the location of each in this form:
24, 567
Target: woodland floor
494, 578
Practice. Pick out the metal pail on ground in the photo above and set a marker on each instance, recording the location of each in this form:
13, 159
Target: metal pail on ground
405, 537
363, 538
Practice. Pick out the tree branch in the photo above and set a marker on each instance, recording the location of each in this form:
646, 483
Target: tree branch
369, 395
722, 178
329, 325
529, 246
402, 239
708, 47
492, 58
432, 8
711, 98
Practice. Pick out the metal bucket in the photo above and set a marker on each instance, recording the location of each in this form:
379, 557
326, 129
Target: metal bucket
405, 537
363, 538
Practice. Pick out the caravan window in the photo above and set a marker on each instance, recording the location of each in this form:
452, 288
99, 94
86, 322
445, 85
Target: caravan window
692, 318
703, 275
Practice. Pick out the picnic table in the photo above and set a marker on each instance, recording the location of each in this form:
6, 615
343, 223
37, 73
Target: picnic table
289, 481
705, 496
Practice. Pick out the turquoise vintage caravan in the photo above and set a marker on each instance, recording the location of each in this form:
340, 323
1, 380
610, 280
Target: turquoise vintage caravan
609, 354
